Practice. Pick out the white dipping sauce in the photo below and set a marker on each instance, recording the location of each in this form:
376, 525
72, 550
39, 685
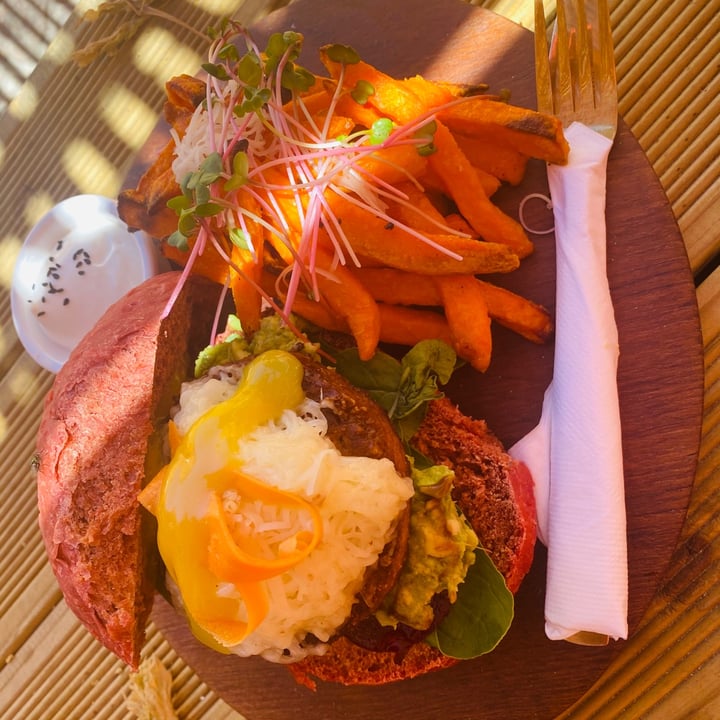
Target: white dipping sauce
76, 262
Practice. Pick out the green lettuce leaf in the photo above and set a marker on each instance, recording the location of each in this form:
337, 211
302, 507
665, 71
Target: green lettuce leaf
402, 387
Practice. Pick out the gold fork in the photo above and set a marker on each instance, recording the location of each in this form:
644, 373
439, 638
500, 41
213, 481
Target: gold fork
576, 79
575, 451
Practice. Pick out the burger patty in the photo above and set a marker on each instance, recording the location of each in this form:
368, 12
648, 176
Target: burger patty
358, 426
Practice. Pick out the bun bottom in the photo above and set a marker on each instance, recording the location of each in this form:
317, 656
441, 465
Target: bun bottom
349, 664
496, 495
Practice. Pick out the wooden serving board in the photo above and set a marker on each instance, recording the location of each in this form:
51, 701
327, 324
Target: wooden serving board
660, 376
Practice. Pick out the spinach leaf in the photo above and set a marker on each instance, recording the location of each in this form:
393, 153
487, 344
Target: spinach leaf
481, 616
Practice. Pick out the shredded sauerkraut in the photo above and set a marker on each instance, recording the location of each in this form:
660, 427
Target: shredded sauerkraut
358, 498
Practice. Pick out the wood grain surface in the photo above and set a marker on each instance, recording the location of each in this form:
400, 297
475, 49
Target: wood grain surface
660, 375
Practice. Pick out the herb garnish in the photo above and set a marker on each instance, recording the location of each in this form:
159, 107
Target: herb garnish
262, 139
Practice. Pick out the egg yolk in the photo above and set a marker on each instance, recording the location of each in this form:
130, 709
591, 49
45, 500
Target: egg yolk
195, 534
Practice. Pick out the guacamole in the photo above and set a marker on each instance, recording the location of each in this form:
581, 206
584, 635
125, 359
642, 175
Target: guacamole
441, 548
234, 345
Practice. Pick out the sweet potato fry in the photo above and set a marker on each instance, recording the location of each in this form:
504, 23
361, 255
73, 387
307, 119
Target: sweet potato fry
391, 245
319, 314
314, 103
246, 271
531, 133
490, 183
517, 313
338, 126
432, 94
311, 111
177, 117
209, 264
440, 92
513, 311
501, 161
468, 318
464, 185
363, 114
133, 212
185, 91
398, 287
432, 183
408, 326
348, 299
393, 164
459, 223
398, 325
245, 294
343, 305
158, 184
163, 188
417, 211
391, 97
459, 90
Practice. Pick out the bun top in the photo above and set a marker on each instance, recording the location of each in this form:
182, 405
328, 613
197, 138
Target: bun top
98, 426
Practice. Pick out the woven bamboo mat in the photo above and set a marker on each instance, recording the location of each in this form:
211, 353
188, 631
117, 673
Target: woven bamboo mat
26, 29
56, 141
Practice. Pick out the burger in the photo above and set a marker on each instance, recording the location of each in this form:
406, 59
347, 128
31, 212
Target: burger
342, 518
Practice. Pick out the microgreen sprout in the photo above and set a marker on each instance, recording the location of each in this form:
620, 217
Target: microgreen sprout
380, 131
362, 92
426, 134
343, 54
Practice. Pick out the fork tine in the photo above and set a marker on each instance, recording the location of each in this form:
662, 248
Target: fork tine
605, 70
543, 83
563, 87
583, 48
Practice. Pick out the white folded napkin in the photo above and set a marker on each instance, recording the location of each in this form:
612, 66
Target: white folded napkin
575, 452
